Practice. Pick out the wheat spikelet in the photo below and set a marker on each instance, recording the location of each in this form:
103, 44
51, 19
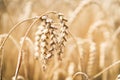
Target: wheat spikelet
41, 40
38, 37
62, 36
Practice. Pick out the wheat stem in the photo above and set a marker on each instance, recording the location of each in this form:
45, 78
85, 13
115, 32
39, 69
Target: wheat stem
20, 52
12, 39
112, 65
13, 28
17, 45
116, 33
1, 65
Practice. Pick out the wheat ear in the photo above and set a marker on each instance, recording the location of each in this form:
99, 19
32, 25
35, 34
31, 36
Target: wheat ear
92, 57
50, 38
83, 4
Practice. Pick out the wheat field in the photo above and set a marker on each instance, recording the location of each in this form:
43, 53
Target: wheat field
59, 39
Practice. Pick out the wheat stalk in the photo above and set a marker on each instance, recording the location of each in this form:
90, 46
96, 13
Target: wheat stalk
2, 36
116, 33
12, 39
106, 69
11, 30
20, 51
1, 59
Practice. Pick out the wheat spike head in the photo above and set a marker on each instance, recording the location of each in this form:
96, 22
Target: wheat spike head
49, 38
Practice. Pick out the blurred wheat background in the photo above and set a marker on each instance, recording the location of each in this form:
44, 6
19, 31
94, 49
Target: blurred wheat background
92, 50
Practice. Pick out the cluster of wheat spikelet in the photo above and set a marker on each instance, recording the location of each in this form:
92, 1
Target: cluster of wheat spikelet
50, 38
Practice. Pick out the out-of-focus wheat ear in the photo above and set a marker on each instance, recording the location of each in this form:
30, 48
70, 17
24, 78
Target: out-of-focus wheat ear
115, 42
82, 5
96, 26
118, 77
71, 71
92, 59
103, 47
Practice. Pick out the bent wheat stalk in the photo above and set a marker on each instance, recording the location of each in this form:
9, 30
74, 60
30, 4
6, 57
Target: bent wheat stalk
20, 51
116, 33
12, 39
81, 73
16, 44
77, 46
13, 28
17, 25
